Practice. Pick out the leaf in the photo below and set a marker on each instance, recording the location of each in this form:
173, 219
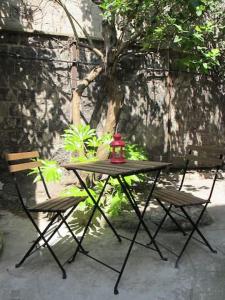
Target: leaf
177, 39
75, 137
179, 27
135, 152
50, 169
205, 66
94, 142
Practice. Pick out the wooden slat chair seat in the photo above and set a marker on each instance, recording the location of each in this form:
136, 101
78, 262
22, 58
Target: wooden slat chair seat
178, 198
198, 157
59, 204
58, 207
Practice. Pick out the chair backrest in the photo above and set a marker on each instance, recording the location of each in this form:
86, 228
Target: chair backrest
208, 157
205, 156
24, 161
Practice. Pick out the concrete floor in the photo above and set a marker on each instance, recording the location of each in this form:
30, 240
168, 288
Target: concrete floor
200, 276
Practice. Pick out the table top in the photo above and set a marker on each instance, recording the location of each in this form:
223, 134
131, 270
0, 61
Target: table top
130, 167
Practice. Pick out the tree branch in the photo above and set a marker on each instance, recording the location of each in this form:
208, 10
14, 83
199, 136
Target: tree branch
69, 16
72, 20
90, 77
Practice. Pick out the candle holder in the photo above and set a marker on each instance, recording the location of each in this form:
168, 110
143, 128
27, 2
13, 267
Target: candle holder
117, 150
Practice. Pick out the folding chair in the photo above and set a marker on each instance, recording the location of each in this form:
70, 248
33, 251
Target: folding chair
198, 157
55, 207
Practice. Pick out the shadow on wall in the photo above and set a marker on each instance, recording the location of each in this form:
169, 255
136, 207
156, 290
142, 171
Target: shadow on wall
144, 116
166, 111
198, 111
34, 92
10, 15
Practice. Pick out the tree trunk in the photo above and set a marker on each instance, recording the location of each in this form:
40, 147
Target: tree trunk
168, 100
115, 96
76, 108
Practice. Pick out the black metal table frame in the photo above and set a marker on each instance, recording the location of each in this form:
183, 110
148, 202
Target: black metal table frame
126, 189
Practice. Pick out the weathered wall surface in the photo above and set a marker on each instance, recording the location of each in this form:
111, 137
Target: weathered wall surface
34, 90
163, 112
48, 17
166, 111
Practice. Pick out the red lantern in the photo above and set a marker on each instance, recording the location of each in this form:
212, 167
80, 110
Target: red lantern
117, 150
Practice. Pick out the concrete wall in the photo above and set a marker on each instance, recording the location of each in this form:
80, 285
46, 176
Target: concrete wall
168, 111
35, 98
34, 93
47, 17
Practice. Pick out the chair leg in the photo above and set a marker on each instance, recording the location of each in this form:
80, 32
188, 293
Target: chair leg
195, 229
28, 253
167, 210
161, 223
41, 236
52, 252
167, 213
64, 222
73, 235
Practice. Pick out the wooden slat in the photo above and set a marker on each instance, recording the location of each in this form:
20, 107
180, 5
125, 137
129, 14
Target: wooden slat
106, 167
184, 197
178, 198
50, 203
21, 155
24, 166
59, 204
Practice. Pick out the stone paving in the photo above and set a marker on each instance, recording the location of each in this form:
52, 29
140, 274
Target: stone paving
200, 276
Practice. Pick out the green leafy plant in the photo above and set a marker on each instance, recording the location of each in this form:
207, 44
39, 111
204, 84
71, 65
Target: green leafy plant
194, 28
50, 170
75, 138
83, 141
135, 152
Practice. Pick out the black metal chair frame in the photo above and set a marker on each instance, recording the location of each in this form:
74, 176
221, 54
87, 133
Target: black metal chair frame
184, 212
58, 216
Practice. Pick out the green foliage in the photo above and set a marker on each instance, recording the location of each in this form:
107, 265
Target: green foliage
195, 28
85, 142
76, 138
50, 170
135, 152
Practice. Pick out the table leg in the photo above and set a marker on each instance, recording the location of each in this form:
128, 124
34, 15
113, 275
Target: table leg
132, 201
138, 212
92, 214
141, 222
96, 206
